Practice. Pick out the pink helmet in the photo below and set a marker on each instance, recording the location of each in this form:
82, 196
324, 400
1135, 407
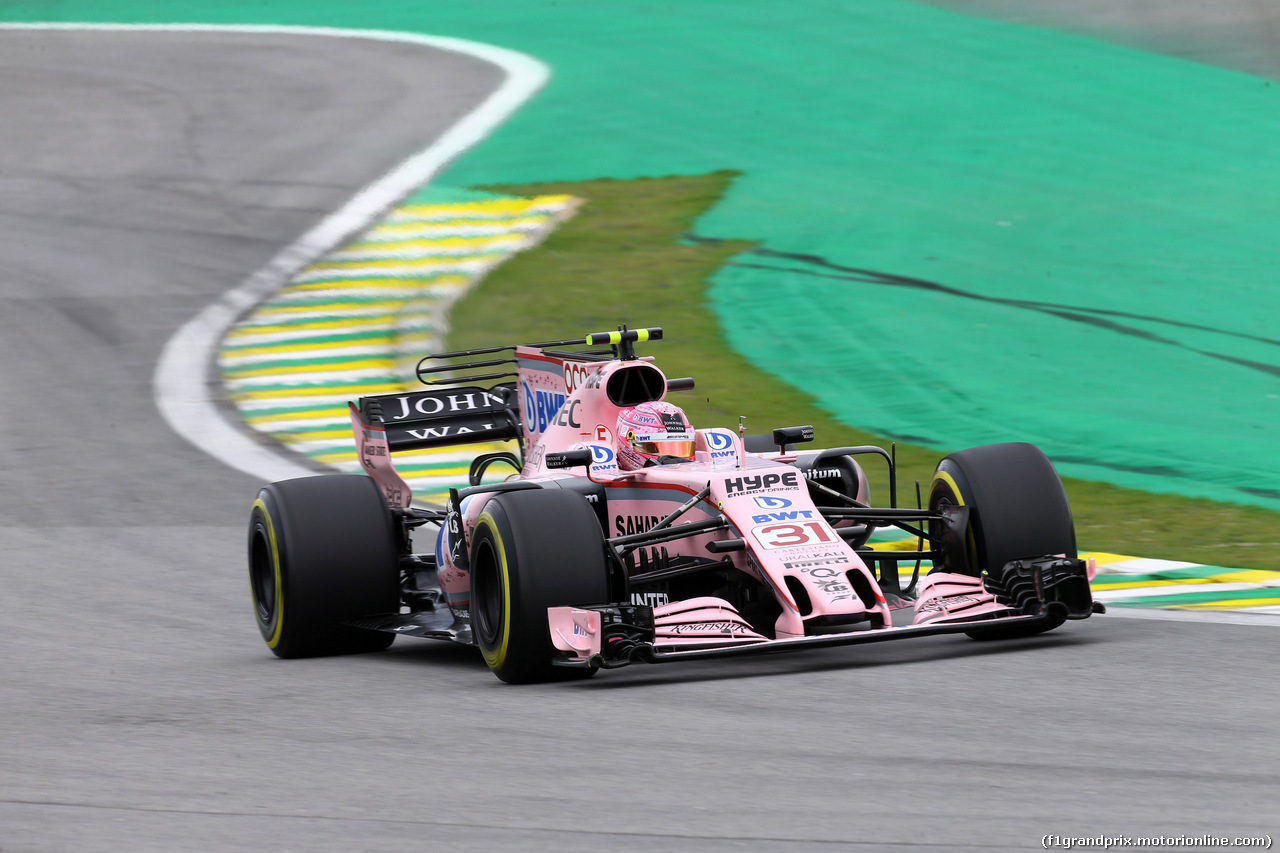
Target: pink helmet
650, 431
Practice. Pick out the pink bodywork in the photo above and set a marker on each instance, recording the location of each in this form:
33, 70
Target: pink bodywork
944, 596
375, 456
563, 407
813, 573
574, 630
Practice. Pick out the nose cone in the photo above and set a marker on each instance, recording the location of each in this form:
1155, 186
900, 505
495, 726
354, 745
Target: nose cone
832, 594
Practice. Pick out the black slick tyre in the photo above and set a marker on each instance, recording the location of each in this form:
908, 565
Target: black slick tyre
1017, 509
322, 550
530, 550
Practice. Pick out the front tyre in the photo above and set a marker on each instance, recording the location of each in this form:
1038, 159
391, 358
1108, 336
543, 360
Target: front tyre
1017, 509
322, 551
532, 549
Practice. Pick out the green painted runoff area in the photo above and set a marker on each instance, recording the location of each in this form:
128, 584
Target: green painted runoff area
971, 231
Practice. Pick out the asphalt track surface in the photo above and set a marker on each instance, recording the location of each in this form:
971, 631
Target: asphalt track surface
142, 176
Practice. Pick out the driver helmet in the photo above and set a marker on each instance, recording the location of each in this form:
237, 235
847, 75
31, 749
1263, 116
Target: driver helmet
653, 434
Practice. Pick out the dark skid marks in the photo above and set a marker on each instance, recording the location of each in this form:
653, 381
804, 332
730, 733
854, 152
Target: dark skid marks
1096, 317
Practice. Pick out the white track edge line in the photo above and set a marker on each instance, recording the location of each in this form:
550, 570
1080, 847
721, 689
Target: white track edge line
180, 386
1221, 617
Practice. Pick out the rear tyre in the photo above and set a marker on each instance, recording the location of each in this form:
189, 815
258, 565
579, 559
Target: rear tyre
322, 550
531, 550
1017, 509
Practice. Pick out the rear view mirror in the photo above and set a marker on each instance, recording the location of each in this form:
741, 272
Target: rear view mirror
569, 459
791, 435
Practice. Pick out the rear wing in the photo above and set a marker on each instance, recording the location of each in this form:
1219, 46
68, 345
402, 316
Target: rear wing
447, 413
445, 416
545, 374
454, 410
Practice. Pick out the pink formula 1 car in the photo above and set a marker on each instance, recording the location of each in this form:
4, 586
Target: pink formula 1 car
625, 535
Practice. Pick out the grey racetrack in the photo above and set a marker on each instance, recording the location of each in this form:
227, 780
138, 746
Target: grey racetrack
143, 175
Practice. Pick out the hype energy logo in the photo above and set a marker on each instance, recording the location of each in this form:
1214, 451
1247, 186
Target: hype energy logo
741, 486
540, 407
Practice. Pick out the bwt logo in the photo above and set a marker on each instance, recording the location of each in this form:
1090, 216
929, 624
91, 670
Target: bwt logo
766, 502
539, 407
720, 443
600, 455
782, 516
530, 408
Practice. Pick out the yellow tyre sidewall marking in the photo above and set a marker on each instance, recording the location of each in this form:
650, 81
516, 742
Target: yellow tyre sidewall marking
968, 533
261, 505
497, 658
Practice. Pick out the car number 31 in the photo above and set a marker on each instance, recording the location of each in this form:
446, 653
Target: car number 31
790, 535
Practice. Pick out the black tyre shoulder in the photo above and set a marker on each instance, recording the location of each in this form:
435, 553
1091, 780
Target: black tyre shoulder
1017, 509
532, 550
322, 550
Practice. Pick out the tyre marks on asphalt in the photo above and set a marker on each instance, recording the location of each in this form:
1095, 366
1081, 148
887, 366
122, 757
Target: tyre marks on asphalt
355, 322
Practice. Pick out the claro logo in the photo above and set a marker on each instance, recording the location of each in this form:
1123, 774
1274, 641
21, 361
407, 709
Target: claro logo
575, 374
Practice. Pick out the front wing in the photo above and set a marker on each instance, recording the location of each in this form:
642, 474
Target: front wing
657, 653
1033, 594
